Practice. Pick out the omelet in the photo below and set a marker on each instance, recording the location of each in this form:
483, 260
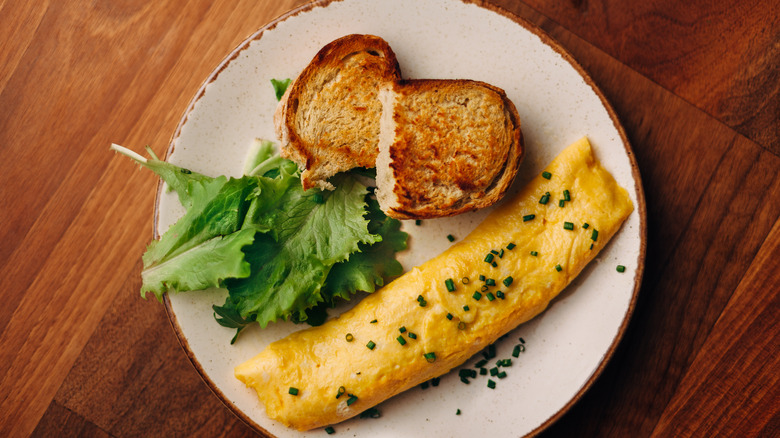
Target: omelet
439, 314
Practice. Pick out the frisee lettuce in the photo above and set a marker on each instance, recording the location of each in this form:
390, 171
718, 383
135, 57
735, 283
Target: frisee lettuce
281, 252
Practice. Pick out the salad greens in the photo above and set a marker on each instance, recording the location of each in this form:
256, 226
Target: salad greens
280, 86
281, 252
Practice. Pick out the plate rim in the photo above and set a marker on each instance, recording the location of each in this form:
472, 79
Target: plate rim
546, 39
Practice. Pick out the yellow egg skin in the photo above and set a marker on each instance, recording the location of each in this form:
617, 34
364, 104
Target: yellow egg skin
319, 360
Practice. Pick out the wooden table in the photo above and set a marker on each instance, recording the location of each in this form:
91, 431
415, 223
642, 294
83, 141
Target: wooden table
697, 88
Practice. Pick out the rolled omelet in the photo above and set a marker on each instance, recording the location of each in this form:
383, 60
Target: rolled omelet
439, 314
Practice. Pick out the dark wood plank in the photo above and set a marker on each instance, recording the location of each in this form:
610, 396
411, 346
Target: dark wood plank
134, 379
722, 56
60, 422
738, 364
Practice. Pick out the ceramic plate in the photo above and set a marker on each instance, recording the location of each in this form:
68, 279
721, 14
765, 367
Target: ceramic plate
566, 346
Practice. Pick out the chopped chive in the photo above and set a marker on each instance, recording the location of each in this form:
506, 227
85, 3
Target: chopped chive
466, 308
561, 203
401, 340
465, 380
501, 253
318, 198
494, 264
450, 285
341, 391
621, 268
418, 222
500, 294
501, 375
519, 348
484, 288
522, 341
558, 268
421, 301
371, 345
489, 257
506, 362
591, 246
463, 372
494, 371
481, 278
490, 296
457, 412
594, 235
507, 281
349, 337
450, 237
490, 282
435, 381
449, 316
351, 399
430, 357
546, 175
534, 253
585, 226
568, 226
292, 391
483, 371
566, 196
477, 295
510, 246
465, 280
481, 363
494, 252
371, 413
402, 329
491, 384
424, 385
185, 171
528, 217
461, 325
330, 430
412, 335
373, 321
545, 198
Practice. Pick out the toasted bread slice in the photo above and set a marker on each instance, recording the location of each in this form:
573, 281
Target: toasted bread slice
328, 120
446, 147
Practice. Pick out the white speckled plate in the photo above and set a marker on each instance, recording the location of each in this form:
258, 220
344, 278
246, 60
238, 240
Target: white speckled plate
567, 346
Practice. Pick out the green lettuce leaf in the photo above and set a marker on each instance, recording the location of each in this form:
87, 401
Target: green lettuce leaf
290, 263
228, 316
200, 267
367, 269
218, 208
280, 86
281, 252
178, 178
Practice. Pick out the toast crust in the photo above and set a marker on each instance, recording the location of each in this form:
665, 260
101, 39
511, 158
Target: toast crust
328, 120
455, 146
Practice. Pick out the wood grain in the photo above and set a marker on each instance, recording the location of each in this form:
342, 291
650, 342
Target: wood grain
749, 320
80, 212
127, 382
721, 56
695, 85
